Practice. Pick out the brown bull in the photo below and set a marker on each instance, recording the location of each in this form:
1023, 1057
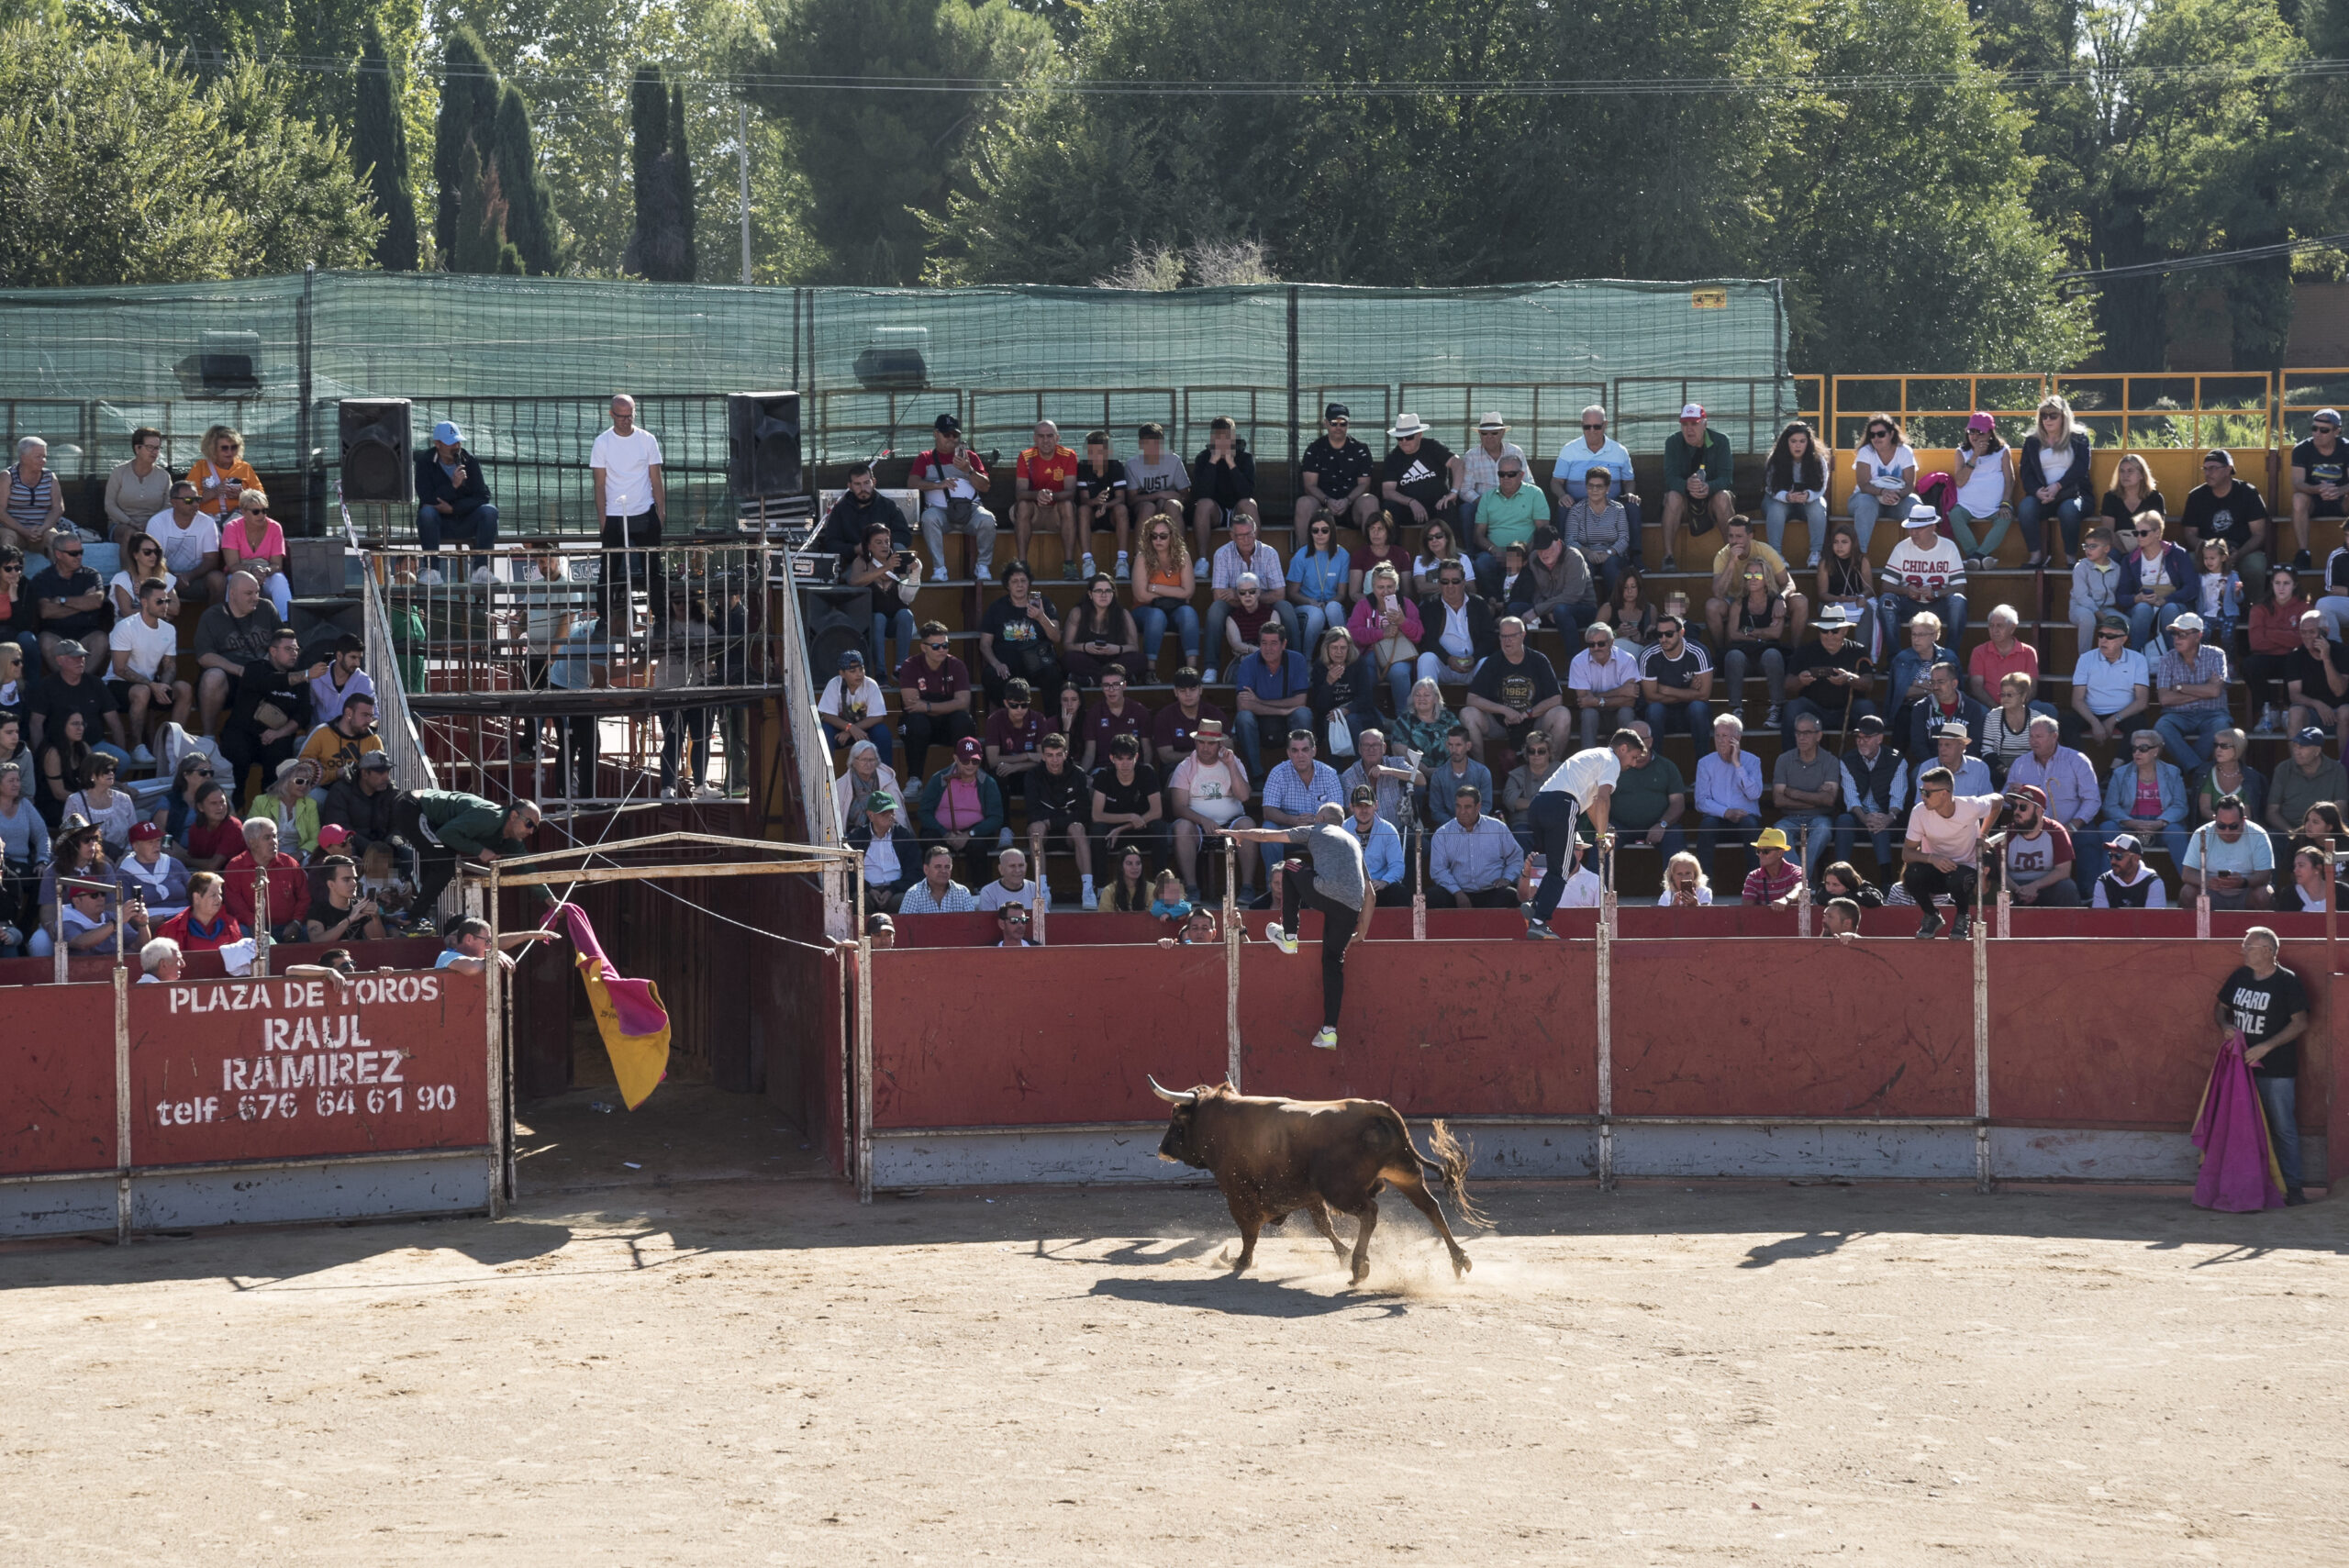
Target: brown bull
1271, 1156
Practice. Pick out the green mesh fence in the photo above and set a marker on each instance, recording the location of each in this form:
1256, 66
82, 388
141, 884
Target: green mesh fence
525, 366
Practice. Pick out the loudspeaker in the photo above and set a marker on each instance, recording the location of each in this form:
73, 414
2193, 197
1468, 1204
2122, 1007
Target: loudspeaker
763, 445
836, 623
377, 462
229, 362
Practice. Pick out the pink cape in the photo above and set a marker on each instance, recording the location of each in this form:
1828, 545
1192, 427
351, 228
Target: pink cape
2239, 1173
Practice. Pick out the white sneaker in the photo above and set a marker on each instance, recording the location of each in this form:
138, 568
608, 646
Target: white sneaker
1088, 564
1325, 1039
1778, 710
429, 577
1121, 564
983, 574
1287, 943
1088, 897
484, 574
143, 756
1207, 676
709, 791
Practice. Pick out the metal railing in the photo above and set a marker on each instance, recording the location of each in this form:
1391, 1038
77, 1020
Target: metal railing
2153, 411
470, 635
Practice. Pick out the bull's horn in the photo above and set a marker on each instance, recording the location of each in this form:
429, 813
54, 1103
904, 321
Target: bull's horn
1170, 1097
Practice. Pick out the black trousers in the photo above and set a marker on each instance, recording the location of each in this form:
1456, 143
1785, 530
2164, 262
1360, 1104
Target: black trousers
623, 576
1554, 814
435, 864
923, 730
243, 748
1338, 921
1924, 880
1504, 897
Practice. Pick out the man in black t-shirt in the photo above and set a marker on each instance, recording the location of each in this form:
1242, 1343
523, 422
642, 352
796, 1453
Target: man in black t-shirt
1421, 477
2223, 506
2269, 1006
1334, 475
1099, 485
2320, 479
2316, 681
74, 689
1513, 693
271, 713
1827, 679
1128, 808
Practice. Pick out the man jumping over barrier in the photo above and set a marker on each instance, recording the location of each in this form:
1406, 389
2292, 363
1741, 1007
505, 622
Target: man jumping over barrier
1335, 885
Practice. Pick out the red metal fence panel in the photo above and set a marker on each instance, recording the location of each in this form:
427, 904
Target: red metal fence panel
57, 1081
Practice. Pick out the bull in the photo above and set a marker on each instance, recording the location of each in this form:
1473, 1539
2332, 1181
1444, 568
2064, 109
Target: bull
1271, 1156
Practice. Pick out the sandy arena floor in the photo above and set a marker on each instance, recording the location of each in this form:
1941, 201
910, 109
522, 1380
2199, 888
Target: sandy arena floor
760, 1371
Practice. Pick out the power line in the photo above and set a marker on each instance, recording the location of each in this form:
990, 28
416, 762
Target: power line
2213, 259
1495, 87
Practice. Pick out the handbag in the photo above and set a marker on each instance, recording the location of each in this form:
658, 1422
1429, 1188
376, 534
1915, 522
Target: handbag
1391, 648
1342, 734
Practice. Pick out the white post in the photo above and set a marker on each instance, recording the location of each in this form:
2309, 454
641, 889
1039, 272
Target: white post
1231, 961
1419, 887
1603, 989
2202, 899
1802, 905
863, 1067
261, 921
743, 162
1982, 1027
500, 1079
121, 1102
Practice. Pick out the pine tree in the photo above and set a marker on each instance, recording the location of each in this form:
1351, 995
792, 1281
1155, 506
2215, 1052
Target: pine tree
468, 112
379, 151
681, 181
530, 202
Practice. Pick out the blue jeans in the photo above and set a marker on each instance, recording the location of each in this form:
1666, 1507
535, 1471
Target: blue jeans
1813, 831
1222, 657
1698, 721
2280, 1098
900, 622
1865, 508
883, 743
1900, 608
1249, 729
1312, 619
1829, 716
1154, 622
2144, 620
1847, 833
2029, 514
1775, 513
476, 529
1401, 675
2188, 737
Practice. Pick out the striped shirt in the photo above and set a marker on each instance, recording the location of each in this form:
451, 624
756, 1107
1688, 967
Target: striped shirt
28, 505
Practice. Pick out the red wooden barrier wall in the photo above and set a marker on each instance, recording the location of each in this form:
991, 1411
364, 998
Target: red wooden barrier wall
1034, 1037
57, 1080
1759, 1026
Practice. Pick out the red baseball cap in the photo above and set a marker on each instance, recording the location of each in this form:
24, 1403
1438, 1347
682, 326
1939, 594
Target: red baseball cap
332, 834
144, 832
969, 751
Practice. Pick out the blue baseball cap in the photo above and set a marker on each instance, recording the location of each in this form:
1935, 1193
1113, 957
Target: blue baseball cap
448, 435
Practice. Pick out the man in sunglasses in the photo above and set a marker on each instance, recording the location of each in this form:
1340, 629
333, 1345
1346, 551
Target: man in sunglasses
1011, 923
2229, 860
2320, 479
72, 601
190, 543
1334, 474
1507, 514
2111, 685
1570, 476
1937, 854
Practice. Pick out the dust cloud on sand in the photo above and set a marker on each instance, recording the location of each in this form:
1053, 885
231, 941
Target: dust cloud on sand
768, 1373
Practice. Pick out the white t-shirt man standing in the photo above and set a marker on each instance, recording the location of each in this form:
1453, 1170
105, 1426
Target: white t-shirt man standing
630, 493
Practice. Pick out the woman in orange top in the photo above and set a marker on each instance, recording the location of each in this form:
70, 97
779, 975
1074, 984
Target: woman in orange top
221, 468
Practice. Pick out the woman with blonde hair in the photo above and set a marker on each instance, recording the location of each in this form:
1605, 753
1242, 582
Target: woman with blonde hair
2133, 492
221, 473
1163, 582
2054, 476
1686, 885
252, 543
289, 802
1386, 627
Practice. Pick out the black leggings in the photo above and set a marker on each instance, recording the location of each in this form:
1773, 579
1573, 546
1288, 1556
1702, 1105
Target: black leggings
1553, 824
1337, 930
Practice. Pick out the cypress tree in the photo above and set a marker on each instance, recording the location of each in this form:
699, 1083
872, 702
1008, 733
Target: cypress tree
529, 201
468, 112
379, 150
647, 139
681, 181
478, 231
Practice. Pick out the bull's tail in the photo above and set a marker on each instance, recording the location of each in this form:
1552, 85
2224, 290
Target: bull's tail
1448, 1160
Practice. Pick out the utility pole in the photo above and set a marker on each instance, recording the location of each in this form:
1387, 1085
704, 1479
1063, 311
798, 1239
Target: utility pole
743, 165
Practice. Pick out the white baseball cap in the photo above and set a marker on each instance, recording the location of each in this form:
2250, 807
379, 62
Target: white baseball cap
2189, 621
1692, 411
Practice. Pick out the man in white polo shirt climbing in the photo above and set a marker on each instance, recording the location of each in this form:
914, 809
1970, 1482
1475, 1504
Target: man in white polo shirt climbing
1944, 827
1582, 786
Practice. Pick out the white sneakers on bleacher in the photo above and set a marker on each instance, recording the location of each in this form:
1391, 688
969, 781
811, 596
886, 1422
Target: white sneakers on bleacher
983, 574
429, 578
1088, 564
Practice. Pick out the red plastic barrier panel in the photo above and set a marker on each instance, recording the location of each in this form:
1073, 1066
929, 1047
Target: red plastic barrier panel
2118, 1034
1756, 1026
283, 1069
57, 1081
1039, 1036
1494, 1028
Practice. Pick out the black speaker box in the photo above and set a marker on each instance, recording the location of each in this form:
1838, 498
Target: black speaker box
378, 462
835, 623
762, 460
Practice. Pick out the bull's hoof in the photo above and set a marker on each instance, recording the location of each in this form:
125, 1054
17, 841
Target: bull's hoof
1461, 1265
1360, 1275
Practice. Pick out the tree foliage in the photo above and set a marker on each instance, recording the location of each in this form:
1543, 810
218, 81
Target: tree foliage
379, 151
121, 168
873, 161
662, 247
1902, 220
